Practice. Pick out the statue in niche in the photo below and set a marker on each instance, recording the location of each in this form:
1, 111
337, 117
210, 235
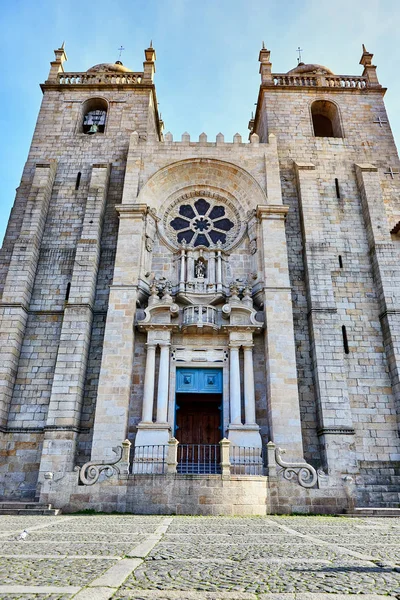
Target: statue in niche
200, 268
253, 246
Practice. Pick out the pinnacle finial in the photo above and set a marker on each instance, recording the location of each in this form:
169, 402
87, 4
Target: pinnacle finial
263, 45
364, 49
63, 45
151, 43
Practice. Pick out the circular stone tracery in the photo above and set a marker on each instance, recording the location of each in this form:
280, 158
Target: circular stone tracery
201, 222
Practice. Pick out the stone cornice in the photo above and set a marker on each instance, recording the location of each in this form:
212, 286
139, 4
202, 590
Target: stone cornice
366, 168
300, 166
14, 305
272, 211
336, 430
129, 211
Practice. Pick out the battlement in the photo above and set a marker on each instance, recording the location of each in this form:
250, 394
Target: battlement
203, 141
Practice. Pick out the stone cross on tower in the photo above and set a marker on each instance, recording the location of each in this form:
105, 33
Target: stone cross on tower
391, 172
120, 49
380, 121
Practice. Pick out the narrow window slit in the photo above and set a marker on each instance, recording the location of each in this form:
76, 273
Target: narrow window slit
345, 341
67, 292
337, 187
78, 180
340, 262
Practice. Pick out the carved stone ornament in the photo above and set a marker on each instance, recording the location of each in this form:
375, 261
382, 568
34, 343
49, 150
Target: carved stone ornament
149, 244
253, 246
305, 473
201, 219
90, 472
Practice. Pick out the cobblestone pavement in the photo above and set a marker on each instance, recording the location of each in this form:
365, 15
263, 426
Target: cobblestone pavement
192, 558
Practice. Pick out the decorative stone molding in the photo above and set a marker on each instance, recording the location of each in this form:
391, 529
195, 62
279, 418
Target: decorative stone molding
305, 473
201, 218
336, 431
188, 354
132, 211
90, 472
271, 211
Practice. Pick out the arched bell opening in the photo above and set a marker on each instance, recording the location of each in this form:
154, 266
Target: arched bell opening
326, 119
94, 116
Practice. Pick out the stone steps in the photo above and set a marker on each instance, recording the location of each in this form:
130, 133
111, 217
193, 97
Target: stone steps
375, 511
378, 485
383, 480
28, 508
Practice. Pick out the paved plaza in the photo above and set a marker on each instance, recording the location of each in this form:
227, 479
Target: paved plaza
188, 558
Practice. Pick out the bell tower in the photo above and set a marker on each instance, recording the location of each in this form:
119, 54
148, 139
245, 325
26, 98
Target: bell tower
59, 254
340, 178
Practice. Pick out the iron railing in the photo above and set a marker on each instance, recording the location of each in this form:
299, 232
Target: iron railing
199, 459
246, 461
149, 460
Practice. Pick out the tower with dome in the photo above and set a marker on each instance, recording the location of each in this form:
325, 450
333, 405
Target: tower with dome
209, 326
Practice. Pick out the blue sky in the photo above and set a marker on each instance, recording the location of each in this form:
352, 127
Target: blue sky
207, 57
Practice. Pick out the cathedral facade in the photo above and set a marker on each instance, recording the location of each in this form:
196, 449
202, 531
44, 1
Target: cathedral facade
204, 327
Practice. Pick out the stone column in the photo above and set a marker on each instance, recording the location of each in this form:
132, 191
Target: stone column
249, 391
234, 386
182, 270
163, 383
114, 392
148, 432
282, 391
336, 429
18, 286
149, 382
219, 271
211, 268
386, 269
239, 434
189, 267
64, 413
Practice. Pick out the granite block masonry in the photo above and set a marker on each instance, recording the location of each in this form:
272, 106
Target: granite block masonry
201, 299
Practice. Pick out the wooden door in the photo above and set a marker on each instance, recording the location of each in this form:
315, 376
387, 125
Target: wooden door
198, 420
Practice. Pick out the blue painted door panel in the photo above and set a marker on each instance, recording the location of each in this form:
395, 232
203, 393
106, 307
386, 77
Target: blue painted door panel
198, 381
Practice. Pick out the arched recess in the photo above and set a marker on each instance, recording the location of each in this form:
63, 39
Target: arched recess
326, 120
205, 173
215, 179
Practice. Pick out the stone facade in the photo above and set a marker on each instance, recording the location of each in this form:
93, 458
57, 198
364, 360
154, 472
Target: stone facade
144, 278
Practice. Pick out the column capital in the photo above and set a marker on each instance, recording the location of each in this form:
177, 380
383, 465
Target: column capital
151, 345
271, 211
247, 346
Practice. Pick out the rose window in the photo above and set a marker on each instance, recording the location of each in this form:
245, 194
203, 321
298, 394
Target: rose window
202, 223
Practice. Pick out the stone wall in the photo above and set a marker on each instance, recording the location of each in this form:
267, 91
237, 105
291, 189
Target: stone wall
286, 114
57, 135
194, 495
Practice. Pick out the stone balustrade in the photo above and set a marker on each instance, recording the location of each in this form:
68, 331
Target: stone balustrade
99, 78
320, 80
200, 316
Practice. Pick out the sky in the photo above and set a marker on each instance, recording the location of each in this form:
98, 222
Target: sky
207, 71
